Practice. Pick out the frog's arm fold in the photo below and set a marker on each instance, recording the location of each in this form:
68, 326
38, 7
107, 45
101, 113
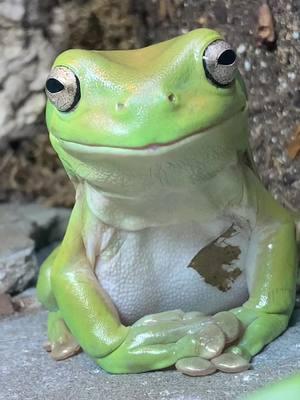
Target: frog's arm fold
88, 313
272, 270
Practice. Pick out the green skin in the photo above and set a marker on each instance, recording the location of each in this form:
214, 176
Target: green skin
81, 314
288, 389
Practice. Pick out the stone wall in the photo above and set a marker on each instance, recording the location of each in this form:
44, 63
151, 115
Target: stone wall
32, 33
30, 36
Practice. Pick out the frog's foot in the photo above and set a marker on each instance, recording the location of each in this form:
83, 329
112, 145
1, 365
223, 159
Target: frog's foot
187, 340
259, 329
195, 366
229, 362
61, 344
61, 351
169, 316
226, 362
254, 331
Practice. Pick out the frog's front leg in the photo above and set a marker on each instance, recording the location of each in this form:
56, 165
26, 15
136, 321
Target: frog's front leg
43, 288
61, 343
271, 274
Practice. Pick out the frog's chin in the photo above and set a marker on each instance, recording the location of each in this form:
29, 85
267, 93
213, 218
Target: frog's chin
151, 149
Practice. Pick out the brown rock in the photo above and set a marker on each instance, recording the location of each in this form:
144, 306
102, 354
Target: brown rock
6, 306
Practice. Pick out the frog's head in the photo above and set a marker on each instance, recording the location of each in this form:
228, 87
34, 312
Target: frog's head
145, 101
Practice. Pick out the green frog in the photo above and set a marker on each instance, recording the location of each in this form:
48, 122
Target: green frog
174, 254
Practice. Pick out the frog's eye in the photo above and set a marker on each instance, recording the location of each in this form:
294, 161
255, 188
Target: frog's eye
220, 63
63, 88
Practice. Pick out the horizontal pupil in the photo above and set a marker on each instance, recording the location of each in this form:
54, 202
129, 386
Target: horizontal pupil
54, 86
228, 57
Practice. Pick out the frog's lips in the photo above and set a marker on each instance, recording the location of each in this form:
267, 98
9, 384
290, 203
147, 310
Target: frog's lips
147, 149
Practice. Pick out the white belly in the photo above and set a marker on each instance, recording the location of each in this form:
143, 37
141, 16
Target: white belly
149, 271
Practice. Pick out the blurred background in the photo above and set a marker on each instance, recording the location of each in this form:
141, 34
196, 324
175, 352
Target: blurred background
266, 36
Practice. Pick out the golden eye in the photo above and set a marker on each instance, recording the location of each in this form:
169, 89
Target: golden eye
63, 89
220, 63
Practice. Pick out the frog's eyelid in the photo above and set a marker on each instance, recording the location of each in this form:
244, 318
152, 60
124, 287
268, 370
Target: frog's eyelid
65, 85
220, 72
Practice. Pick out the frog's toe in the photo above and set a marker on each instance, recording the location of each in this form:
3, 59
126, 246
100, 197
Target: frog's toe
207, 342
165, 316
170, 316
211, 341
230, 325
193, 315
195, 366
229, 362
61, 351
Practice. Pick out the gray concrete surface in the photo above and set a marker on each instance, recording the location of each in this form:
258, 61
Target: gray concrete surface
27, 372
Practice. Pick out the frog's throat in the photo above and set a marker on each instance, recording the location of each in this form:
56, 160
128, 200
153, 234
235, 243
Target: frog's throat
138, 188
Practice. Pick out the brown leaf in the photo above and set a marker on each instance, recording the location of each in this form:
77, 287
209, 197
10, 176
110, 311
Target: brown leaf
293, 148
214, 262
266, 30
166, 10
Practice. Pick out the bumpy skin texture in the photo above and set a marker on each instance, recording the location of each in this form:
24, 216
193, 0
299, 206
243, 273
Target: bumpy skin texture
157, 150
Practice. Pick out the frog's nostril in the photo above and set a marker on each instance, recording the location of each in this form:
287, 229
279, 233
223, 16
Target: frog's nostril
120, 106
172, 98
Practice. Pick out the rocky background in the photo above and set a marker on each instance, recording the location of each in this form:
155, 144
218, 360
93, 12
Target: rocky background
32, 33
266, 36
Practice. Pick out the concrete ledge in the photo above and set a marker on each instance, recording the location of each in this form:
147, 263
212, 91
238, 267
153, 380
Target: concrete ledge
28, 373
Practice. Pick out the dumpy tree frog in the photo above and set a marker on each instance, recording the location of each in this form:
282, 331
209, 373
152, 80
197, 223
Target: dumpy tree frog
175, 254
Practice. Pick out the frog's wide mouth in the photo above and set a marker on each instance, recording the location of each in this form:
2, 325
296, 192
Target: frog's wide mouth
149, 149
